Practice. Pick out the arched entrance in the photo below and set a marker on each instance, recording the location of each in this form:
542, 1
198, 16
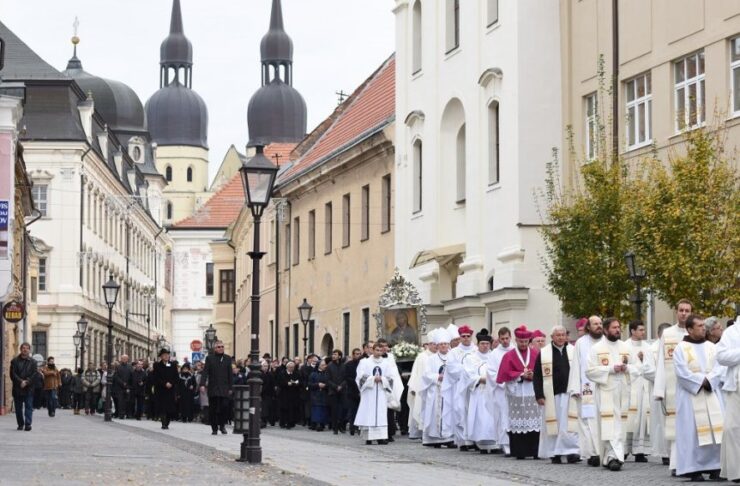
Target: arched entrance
327, 345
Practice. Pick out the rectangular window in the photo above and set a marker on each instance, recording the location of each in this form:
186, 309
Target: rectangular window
689, 91
345, 220
418, 176
296, 241
327, 228
295, 339
311, 234
493, 144
492, 13
311, 335
735, 73
287, 246
287, 340
385, 207
365, 325
345, 320
453, 24
273, 338
43, 267
226, 285
209, 278
38, 343
639, 111
592, 126
39, 193
365, 231
34, 289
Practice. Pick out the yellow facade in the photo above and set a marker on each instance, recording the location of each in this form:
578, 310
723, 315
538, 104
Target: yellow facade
186, 171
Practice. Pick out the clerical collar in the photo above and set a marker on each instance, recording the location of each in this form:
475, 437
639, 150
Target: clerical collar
559, 348
691, 340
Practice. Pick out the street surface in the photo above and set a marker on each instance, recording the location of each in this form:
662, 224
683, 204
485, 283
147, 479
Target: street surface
79, 450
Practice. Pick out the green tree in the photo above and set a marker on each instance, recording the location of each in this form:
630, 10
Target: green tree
684, 220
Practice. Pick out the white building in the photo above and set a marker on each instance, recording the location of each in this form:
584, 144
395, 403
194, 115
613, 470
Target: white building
475, 80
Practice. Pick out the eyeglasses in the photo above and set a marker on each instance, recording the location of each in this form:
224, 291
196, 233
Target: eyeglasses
219, 346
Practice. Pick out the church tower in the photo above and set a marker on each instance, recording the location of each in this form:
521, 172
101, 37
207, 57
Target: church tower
277, 111
177, 118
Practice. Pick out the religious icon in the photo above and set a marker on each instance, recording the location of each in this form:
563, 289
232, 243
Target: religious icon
604, 359
669, 352
625, 359
546, 371
587, 389
401, 325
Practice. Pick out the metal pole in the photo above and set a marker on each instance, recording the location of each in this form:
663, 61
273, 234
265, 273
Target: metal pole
77, 355
82, 352
251, 449
148, 333
305, 339
109, 350
615, 80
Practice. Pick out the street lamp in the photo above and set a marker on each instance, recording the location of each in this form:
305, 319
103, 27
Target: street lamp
82, 329
110, 292
210, 338
258, 178
76, 339
304, 310
637, 274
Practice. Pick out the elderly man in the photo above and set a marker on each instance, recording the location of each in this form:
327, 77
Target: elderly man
516, 373
728, 355
539, 340
438, 412
456, 373
551, 372
581, 389
217, 381
122, 384
714, 329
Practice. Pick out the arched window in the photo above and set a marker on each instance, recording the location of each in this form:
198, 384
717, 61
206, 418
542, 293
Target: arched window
417, 37
418, 176
493, 143
169, 210
190, 174
460, 156
168, 173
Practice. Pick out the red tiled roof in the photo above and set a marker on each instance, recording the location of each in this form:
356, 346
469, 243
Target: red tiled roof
223, 208
370, 107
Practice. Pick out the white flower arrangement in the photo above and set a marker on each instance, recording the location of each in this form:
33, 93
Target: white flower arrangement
406, 351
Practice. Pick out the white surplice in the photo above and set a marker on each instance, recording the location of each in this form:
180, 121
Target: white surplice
500, 403
693, 364
564, 443
414, 397
581, 389
372, 413
664, 386
641, 398
658, 445
456, 372
438, 411
612, 396
480, 426
728, 355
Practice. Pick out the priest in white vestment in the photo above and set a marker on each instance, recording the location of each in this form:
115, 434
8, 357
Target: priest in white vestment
438, 393
698, 404
641, 398
659, 446
551, 372
414, 397
581, 391
501, 406
479, 420
728, 355
664, 388
378, 381
456, 373
609, 367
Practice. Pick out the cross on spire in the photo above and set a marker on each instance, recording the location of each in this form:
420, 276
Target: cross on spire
342, 96
277, 158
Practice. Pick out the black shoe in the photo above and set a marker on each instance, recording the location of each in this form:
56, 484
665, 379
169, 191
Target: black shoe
614, 465
451, 446
666, 461
573, 458
497, 451
27, 428
352, 430
368, 442
223, 429
391, 439
20, 427
484, 451
714, 475
464, 448
382, 442
213, 432
593, 461
336, 432
437, 446
556, 460
696, 478
640, 458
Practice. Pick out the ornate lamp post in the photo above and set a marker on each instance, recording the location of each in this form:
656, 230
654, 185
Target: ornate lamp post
210, 338
637, 274
82, 330
110, 292
258, 177
76, 339
304, 311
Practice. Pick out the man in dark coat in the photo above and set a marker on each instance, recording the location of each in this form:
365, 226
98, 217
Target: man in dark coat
23, 370
217, 380
138, 389
289, 384
305, 396
336, 390
351, 392
122, 387
165, 378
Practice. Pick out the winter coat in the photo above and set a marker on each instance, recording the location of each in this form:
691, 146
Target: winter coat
52, 378
91, 381
22, 370
218, 376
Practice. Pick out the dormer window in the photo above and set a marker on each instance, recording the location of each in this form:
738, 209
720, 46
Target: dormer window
136, 153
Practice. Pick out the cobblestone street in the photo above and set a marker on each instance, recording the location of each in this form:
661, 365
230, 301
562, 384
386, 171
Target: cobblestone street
69, 450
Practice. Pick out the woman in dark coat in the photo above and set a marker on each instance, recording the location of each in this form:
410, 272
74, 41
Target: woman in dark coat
289, 398
186, 394
165, 378
318, 385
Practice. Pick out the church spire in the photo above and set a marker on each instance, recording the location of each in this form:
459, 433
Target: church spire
276, 49
176, 53
74, 63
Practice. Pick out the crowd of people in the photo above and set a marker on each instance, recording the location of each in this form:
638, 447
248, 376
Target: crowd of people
597, 397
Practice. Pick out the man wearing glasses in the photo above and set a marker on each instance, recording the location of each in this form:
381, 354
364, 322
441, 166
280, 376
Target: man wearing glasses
217, 381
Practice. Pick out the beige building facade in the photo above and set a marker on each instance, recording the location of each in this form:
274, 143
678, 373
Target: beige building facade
679, 68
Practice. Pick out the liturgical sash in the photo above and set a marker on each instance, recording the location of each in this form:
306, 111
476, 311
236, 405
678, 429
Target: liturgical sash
606, 392
670, 386
551, 419
707, 410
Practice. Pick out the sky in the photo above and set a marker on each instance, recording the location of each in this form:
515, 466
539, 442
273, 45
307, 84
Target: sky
337, 45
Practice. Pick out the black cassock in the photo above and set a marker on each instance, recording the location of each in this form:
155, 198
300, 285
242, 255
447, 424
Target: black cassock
164, 398
289, 399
